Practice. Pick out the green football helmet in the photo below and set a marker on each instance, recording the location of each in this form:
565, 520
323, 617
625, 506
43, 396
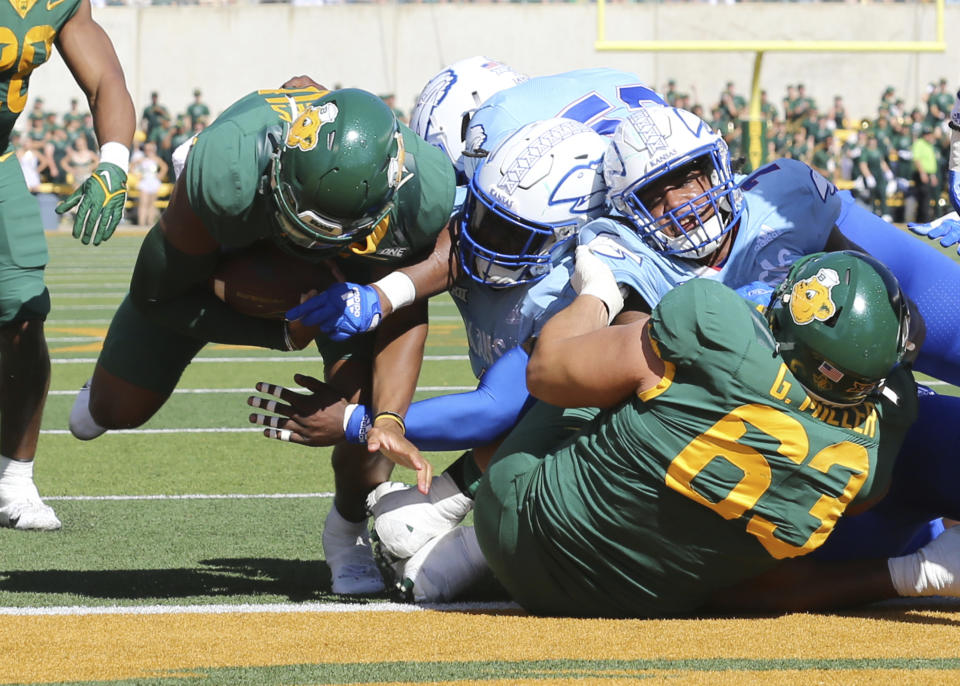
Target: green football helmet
336, 172
842, 325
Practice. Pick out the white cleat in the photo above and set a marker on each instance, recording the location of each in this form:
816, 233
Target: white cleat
933, 570
346, 548
21, 508
82, 425
444, 568
405, 519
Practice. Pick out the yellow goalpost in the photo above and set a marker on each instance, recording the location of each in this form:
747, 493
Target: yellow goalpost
759, 47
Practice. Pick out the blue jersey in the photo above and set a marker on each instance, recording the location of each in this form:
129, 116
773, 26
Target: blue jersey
599, 98
498, 319
789, 211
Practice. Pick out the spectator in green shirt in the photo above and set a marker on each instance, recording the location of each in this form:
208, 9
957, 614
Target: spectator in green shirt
197, 109
925, 174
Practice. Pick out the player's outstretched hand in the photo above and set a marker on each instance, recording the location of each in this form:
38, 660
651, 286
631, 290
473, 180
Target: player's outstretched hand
314, 418
946, 228
343, 310
387, 437
99, 201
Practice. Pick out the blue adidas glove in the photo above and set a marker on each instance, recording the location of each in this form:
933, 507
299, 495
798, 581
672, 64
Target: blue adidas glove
341, 311
953, 179
946, 228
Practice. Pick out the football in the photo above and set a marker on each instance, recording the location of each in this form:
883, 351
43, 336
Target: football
263, 281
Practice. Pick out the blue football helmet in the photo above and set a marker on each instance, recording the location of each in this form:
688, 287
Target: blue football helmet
533, 191
659, 147
455, 93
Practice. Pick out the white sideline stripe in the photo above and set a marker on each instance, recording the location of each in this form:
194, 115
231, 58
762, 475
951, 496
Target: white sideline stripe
192, 496
204, 391
298, 358
131, 432
246, 608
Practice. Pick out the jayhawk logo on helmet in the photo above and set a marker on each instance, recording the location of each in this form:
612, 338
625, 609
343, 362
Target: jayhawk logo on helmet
304, 131
810, 299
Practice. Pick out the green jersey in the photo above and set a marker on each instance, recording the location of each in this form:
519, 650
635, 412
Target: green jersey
724, 468
197, 110
228, 186
28, 29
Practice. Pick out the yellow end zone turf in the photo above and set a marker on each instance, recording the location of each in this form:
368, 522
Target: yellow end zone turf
902, 644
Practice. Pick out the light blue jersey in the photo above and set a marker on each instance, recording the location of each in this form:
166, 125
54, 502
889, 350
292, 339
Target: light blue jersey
498, 319
789, 211
599, 98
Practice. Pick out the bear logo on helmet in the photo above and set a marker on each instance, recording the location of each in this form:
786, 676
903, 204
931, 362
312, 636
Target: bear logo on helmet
811, 299
304, 131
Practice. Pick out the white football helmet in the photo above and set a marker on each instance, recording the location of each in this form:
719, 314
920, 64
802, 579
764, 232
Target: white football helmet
456, 91
655, 141
534, 190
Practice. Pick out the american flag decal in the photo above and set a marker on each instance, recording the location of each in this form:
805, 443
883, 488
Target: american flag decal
830, 372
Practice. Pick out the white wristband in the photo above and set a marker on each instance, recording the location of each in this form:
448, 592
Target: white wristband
398, 289
347, 413
116, 153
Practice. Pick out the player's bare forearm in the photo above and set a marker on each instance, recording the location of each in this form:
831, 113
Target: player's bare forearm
432, 275
91, 58
572, 364
398, 357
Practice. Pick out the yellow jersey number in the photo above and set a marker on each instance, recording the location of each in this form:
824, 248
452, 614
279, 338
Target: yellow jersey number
722, 440
24, 61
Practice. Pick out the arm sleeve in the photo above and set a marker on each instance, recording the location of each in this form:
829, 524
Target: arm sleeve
464, 420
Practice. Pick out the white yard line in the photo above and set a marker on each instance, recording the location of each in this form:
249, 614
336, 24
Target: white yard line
192, 496
247, 608
205, 391
291, 358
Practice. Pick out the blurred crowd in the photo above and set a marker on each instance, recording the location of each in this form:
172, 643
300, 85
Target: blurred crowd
894, 159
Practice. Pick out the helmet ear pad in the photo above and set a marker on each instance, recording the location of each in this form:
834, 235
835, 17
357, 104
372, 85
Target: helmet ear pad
842, 324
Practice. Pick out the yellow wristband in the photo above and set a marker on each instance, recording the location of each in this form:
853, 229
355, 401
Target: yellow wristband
395, 417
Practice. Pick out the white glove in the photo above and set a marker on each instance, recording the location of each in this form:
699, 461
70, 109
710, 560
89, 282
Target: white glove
592, 277
871, 182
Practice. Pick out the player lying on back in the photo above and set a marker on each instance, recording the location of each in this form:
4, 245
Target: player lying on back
332, 179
